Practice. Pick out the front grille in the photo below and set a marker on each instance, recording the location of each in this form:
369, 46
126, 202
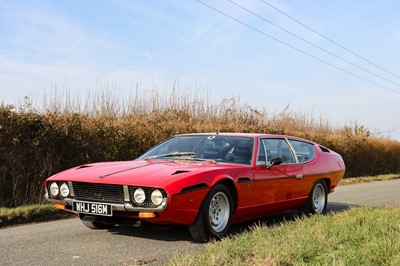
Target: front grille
98, 192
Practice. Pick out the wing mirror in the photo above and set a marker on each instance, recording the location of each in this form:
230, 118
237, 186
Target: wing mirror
276, 161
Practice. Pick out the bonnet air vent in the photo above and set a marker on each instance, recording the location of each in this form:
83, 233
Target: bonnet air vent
180, 172
323, 149
83, 166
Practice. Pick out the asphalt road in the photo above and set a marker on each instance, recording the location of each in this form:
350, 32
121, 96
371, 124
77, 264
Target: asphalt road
68, 242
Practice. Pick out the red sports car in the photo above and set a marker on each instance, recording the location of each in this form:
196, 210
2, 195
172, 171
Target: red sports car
205, 181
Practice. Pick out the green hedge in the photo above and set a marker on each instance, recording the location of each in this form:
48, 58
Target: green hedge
34, 146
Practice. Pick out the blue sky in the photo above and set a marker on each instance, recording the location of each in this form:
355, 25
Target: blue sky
85, 46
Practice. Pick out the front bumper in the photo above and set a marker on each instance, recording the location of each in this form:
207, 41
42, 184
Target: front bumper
128, 207
120, 197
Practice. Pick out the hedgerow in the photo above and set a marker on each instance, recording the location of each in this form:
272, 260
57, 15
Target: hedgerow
36, 144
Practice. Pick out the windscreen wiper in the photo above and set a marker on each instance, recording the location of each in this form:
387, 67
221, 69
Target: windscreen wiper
172, 154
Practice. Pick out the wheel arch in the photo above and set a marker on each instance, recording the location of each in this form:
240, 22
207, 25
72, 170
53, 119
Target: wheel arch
309, 206
202, 229
327, 183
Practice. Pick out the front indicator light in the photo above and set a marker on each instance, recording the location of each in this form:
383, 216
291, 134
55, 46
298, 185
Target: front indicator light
59, 206
54, 189
64, 190
147, 215
139, 196
156, 197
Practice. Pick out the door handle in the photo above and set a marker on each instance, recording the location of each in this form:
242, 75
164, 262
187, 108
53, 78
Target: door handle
299, 176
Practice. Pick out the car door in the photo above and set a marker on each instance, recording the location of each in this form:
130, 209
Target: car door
305, 153
277, 187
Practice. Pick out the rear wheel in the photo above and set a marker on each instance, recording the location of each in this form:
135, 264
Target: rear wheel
317, 200
215, 215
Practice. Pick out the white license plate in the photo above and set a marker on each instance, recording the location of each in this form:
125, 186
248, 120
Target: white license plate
92, 208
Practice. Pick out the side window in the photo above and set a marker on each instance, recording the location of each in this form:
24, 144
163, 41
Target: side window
278, 148
261, 158
305, 151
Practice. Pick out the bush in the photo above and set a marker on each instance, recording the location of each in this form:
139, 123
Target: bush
37, 144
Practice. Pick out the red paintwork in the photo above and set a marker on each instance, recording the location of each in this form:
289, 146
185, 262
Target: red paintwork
268, 190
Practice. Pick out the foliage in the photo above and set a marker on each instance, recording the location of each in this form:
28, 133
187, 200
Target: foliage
34, 144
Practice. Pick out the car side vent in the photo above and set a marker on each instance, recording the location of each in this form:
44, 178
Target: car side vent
180, 172
323, 149
194, 187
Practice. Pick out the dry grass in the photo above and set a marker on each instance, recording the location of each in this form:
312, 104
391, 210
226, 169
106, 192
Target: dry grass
38, 141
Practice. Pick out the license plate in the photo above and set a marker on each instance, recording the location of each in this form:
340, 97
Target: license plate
92, 208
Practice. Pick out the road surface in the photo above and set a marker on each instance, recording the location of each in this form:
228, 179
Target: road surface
68, 242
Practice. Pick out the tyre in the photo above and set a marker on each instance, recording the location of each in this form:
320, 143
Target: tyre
96, 225
317, 200
215, 215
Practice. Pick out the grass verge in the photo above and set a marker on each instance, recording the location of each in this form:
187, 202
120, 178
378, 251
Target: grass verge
359, 236
29, 214
367, 179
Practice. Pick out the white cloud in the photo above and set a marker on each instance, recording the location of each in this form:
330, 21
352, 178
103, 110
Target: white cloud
148, 56
39, 34
20, 78
397, 36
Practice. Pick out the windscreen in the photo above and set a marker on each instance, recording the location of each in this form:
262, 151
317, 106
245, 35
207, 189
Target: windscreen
225, 149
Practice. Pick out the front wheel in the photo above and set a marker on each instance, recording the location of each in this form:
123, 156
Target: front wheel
215, 215
317, 200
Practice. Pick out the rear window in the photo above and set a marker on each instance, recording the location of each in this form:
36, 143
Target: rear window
305, 151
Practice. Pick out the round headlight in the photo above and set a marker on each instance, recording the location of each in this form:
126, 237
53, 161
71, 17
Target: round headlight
64, 190
54, 189
156, 197
139, 196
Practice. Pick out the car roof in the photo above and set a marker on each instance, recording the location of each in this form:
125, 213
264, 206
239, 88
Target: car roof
249, 135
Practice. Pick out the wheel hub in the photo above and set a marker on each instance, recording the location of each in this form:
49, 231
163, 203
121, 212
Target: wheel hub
319, 198
219, 212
